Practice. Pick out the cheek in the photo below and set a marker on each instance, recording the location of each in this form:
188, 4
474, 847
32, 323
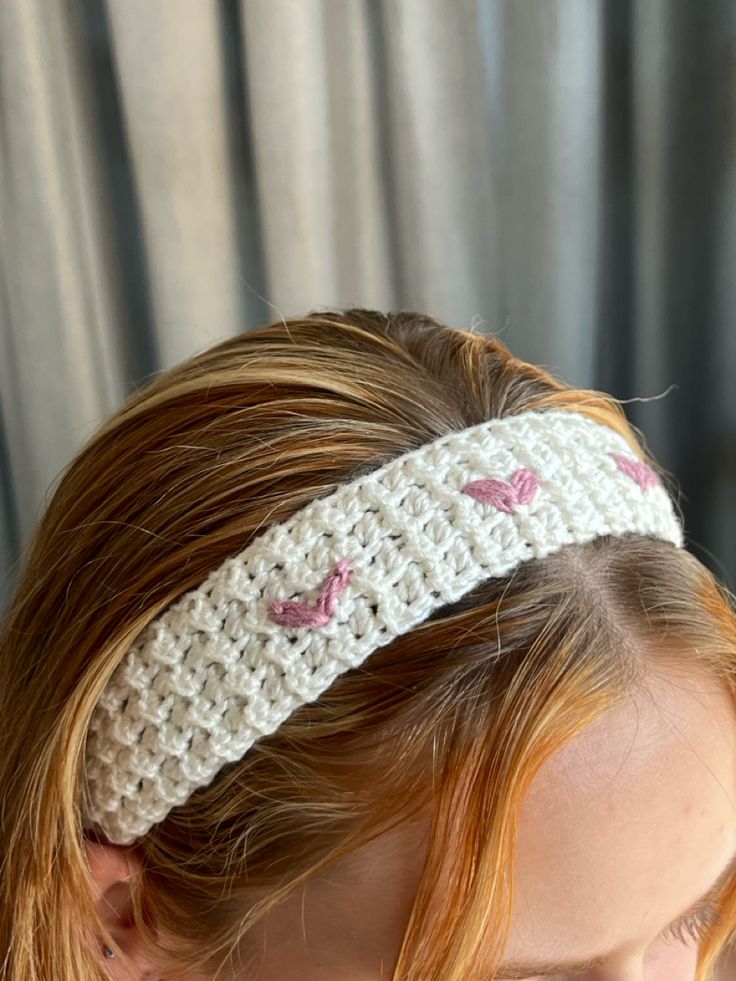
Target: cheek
671, 961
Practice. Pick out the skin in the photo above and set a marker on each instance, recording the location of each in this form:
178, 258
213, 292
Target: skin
620, 833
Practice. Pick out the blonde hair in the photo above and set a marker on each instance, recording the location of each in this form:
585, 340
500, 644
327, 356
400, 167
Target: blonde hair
182, 476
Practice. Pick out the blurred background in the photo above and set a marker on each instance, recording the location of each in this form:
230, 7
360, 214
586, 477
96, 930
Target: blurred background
558, 172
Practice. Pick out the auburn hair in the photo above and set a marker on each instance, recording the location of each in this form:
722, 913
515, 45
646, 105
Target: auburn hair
456, 716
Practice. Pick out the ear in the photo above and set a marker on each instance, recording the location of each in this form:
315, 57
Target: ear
113, 869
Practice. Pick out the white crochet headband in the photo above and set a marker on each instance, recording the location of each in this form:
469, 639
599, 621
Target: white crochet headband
272, 627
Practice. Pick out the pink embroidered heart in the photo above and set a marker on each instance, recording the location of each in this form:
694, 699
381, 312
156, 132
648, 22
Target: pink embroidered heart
294, 613
505, 494
641, 472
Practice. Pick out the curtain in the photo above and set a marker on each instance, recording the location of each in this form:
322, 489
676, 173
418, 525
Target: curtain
559, 172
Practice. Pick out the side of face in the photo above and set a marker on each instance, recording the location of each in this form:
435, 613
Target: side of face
620, 833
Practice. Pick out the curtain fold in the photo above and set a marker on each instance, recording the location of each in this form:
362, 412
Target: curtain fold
557, 171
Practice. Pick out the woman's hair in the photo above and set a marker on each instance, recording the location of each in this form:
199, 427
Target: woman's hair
452, 719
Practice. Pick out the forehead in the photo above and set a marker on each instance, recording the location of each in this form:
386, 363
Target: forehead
628, 825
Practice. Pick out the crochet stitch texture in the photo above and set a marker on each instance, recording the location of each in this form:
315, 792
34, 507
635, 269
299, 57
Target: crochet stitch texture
272, 627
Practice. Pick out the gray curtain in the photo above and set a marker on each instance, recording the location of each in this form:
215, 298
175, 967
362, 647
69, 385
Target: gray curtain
558, 171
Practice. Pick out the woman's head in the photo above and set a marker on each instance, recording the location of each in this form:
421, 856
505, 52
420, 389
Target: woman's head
459, 773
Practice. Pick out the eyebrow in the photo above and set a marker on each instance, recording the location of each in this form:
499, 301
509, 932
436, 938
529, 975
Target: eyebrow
519, 972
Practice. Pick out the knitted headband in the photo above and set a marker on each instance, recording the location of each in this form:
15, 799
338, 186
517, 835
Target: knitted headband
307, 600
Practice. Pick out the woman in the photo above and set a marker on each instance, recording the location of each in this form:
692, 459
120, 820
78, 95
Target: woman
357, 648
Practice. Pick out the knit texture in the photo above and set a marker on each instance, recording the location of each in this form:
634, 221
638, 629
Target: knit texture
272, 627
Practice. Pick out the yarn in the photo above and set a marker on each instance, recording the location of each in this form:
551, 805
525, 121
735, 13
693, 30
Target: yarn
294, 613
505, 494
641, 472
229, 661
